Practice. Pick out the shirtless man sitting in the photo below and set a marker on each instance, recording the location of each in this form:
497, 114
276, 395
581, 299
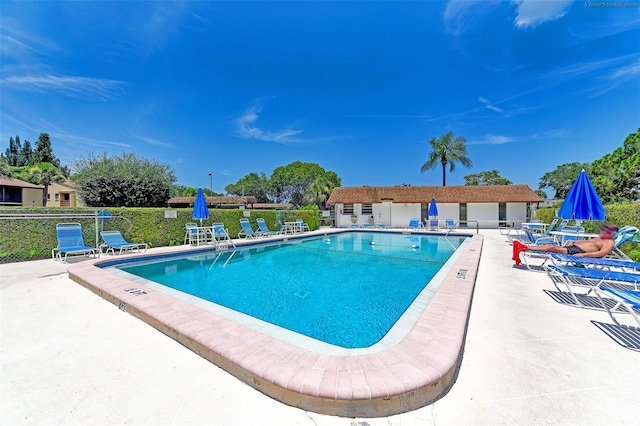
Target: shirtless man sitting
596, 247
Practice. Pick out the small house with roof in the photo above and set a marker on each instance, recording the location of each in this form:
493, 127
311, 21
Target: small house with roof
395, 206
18, 193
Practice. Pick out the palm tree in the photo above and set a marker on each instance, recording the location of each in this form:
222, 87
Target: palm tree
447, 149
319, 192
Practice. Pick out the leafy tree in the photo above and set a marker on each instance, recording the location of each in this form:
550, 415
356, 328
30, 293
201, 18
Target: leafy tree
320, 189
291, 183
25, 158
190, 191
44, 151
491, 177
541, 193
562, 178
5, 169
616, 176
253, 184
123, 181
447, 149
12, 154
40, 174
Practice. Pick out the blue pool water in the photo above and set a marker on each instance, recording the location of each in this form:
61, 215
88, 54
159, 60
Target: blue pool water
339, 289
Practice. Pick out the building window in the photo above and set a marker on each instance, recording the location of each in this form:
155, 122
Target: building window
367, 209
48, 197
348, 209
57, 197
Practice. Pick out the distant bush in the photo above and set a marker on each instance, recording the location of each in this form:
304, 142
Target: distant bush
29, 239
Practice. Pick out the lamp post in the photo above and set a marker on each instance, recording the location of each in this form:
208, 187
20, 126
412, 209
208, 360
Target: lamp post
211, 183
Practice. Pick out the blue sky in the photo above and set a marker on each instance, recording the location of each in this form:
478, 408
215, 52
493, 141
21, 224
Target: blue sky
359, 87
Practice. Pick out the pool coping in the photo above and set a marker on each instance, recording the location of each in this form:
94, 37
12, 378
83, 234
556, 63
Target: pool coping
413, 373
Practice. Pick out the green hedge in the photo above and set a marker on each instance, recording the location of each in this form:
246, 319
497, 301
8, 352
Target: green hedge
29, 239
618, 214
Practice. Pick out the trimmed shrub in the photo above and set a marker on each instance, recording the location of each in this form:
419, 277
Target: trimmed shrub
29, 239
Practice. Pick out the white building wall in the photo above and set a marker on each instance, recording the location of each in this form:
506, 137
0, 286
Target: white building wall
401, 214
517, 212
485, 213
448, 211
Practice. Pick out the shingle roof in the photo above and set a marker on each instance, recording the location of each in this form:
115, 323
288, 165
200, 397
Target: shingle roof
442, 194
214, 200
18, 183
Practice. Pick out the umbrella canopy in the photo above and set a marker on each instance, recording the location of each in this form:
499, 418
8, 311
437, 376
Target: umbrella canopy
582, 201
433, 208
200, 210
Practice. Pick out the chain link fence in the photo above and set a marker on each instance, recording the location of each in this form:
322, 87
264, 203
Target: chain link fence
28, 234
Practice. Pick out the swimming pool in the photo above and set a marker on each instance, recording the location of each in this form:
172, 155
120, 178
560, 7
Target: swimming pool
413, 365
347, 290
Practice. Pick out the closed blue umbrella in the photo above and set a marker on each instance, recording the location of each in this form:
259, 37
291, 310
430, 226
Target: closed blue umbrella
433, 208
200, 210
582, 202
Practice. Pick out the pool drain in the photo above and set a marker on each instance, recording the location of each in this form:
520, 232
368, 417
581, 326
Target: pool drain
135, 291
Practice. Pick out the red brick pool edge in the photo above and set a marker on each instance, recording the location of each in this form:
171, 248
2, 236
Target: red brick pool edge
412, 374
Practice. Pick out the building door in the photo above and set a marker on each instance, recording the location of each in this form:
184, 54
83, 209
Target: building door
424, 213
462, 213
502, 214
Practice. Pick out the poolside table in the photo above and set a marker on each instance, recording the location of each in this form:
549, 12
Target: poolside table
294, 226
535, 226
563, 236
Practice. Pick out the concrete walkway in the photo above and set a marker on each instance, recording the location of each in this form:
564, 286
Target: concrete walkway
69, 357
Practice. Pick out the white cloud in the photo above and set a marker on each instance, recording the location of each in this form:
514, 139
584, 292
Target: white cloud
245, 128
457, 13
494, 140
72, 86
531, 13
488, 105
554, 133
152, 141
626, 71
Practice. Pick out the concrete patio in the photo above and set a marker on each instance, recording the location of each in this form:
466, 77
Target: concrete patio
69, 357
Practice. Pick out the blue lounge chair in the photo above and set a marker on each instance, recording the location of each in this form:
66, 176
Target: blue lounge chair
263, 228
221, 235
302, 226
434, 224
285, 228
193, 234
71, 242
595, 262
624, 234
113, 240
247, 231
591, 279
414, 223
450, 224
629, 300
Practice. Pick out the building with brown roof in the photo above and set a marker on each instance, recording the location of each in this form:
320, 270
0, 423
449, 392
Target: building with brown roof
16, 192
217, 202
397, 205
62, 194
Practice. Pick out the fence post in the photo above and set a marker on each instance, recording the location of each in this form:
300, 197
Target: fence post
97, 238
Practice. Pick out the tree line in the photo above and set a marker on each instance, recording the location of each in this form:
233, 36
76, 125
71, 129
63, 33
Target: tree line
615, 176
297, 183
38, 166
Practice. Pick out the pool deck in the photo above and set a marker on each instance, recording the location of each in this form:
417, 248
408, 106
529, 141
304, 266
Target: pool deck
69, 357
